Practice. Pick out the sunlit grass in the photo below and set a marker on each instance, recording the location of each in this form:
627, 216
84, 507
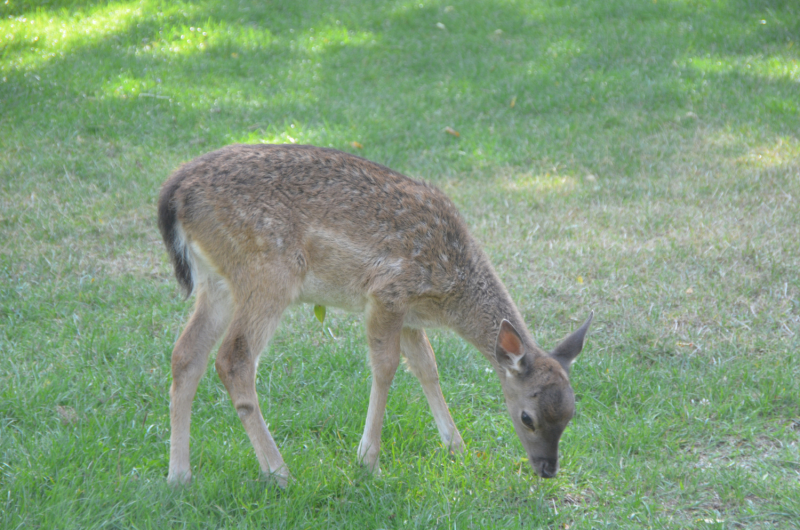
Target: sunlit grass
784, 152
775, 67
542, 184
33, 39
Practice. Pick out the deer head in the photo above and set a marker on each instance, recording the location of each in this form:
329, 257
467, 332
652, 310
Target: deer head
538, 393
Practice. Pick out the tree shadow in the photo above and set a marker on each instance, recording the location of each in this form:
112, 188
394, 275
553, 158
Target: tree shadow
524, 85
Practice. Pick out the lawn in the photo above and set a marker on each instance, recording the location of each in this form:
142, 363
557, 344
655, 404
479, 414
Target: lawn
638, 158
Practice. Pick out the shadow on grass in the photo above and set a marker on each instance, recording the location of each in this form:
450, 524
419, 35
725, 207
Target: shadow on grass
579, 85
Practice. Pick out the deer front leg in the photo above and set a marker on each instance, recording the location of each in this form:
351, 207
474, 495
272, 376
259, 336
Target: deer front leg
236, 366
418, 352
383, 333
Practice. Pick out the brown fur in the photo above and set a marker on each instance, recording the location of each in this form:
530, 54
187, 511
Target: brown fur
255, 228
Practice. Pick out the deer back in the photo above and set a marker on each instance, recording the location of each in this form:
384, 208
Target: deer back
348, 229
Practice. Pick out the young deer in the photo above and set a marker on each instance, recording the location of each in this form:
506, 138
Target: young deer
255, 228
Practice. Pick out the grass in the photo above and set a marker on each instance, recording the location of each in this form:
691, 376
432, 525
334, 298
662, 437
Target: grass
638, 158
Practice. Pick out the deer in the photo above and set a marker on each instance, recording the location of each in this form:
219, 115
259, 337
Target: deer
253, 229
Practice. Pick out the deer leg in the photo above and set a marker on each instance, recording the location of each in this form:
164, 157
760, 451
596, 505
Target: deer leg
383, 333
422, 362
189, 362
236, 365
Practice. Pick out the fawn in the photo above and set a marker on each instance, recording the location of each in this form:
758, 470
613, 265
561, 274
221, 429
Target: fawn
254, 228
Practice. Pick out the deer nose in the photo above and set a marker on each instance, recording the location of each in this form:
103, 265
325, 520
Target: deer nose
545, 467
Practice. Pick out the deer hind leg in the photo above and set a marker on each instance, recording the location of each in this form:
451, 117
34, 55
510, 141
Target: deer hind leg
254, 323
383, 333
418, 353
189, 361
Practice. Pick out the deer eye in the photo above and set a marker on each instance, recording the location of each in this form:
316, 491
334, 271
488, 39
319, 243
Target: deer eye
527, 421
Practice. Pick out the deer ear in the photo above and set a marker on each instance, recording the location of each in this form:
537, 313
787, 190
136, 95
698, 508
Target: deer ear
566, 352
508, 348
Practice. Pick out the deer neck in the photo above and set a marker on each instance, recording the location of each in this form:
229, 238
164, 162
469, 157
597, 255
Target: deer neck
484, 304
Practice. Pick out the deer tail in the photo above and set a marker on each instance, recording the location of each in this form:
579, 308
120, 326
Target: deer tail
174, 236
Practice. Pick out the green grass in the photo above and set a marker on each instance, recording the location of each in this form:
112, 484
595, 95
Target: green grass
636, 157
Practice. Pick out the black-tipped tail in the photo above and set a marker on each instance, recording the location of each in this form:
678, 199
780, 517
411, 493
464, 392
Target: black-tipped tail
173, 239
